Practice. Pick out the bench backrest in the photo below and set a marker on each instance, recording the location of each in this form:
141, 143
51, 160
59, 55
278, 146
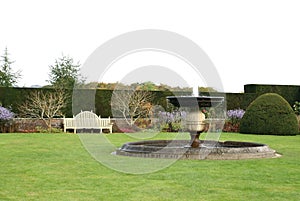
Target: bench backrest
69, 122
86, 119
104, 122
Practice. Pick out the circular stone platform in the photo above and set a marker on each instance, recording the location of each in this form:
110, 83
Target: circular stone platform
213, 150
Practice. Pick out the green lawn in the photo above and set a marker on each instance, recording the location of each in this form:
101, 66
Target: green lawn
57, 167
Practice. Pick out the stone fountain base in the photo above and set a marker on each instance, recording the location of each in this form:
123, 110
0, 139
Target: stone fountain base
213, 150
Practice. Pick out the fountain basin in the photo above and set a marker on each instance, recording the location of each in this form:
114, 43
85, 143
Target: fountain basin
213, 150
195, 148
193, 101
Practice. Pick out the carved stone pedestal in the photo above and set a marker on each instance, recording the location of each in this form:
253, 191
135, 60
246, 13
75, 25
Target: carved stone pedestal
195, 142
195, 126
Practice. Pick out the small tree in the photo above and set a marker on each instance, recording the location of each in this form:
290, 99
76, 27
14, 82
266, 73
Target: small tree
44, 105
64, 73
8, 78
131, 105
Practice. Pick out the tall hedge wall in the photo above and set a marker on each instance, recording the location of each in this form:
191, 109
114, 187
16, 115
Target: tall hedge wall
290, 93
12, 97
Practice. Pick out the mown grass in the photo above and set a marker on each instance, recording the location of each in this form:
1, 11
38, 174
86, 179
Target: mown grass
57, 167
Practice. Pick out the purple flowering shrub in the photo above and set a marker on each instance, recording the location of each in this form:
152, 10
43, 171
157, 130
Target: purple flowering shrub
5, 114
233, 120
235, 115
171, 121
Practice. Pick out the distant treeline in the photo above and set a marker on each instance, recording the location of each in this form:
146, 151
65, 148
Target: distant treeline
148, 86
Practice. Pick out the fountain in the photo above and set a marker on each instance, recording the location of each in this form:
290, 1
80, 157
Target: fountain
196, 148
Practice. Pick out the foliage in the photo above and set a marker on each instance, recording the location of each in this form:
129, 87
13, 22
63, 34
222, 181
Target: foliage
5, 114
296, 107
233, 120
235, 115
234, 100
147, 86
230, 127
298, 117
8, 78
290, 93
143, 123
12, 97
5, 117
206, 112
269, 114
64, 73
40, 129
171, 121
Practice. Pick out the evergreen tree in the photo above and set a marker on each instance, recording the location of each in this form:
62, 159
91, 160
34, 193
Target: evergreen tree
64, 73
8, 78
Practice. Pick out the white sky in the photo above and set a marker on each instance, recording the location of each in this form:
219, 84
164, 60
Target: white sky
255, 41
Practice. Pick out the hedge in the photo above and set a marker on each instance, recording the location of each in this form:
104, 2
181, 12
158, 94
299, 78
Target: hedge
291, 93
12, 97
269, 114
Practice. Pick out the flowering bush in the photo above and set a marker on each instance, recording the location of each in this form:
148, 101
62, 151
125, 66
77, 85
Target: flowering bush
171, 121
5, 114
235, 115
233, 120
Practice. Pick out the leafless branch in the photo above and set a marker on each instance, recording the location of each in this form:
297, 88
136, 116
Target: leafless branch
132, 105
44, 105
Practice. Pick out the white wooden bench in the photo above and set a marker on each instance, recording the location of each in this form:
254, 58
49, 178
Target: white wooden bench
87, 120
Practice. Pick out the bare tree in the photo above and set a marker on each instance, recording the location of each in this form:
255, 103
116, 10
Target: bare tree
44, 105
131, 105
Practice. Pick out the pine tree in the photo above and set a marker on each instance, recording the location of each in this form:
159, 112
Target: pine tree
64, 73
8, 78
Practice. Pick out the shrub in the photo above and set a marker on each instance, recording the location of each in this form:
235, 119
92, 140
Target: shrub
171, 121
269, 114
296, 107
233, 120
5, 117
235, 116
40, 129
5, 114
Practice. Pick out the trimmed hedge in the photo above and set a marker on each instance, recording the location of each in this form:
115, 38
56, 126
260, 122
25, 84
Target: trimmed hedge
234, 100
12, 97
290, 93
269, 114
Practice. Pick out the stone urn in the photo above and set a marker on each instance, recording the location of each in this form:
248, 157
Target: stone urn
195, 125
195, 119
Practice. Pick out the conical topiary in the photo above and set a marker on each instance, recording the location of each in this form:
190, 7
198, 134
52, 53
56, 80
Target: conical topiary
269, 114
